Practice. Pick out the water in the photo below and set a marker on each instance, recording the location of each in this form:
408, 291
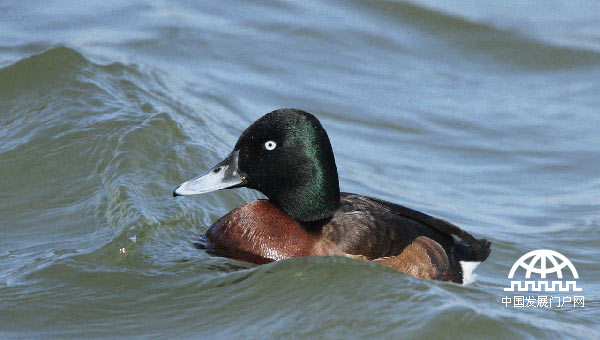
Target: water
485, 114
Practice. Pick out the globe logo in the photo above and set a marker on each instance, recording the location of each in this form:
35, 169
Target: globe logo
543, 262
544, 257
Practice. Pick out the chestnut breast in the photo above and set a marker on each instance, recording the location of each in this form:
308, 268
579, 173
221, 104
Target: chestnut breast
259, 232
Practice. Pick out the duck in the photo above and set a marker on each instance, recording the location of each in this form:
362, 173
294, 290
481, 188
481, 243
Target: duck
287, 156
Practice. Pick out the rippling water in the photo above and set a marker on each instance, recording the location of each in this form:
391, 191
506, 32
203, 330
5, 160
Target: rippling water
485, 114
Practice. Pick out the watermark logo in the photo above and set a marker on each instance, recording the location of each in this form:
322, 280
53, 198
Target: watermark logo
555, 273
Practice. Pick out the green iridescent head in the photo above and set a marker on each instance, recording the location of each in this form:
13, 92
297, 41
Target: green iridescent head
287, 156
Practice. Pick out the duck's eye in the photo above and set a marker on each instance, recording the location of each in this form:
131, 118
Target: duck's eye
270, 145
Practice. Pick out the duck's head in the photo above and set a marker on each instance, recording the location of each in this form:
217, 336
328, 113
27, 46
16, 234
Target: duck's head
286, 155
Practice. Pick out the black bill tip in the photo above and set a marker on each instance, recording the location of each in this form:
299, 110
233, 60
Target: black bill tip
175, 194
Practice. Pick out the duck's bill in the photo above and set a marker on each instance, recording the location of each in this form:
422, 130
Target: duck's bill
222, 176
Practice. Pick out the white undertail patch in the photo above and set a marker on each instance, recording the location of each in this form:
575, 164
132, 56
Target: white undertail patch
467, 268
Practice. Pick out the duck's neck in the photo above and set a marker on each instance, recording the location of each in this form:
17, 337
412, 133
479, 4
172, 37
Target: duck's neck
310, 204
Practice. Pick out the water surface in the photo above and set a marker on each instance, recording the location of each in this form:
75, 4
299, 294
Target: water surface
485, 114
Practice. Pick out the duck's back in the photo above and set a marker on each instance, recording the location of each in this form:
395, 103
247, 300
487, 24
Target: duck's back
403, 238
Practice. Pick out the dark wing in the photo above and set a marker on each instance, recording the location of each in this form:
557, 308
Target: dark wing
376, 228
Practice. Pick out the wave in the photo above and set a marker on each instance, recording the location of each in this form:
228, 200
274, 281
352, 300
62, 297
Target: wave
482, 41
94, 149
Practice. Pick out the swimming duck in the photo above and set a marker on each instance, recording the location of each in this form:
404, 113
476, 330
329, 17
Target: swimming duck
287, 156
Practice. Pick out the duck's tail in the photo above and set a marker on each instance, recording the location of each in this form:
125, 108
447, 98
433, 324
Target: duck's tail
473, 250
469, 255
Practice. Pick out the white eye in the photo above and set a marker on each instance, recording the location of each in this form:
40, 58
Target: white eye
270, 145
